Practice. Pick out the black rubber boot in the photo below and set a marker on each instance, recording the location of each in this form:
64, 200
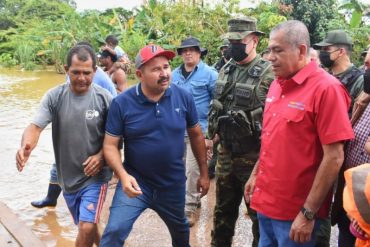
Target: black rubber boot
51, 198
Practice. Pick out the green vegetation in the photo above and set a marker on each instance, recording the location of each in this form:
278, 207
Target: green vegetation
40, 32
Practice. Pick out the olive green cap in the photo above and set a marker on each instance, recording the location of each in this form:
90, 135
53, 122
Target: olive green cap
335, 37
225, 43
364, 52
240, 27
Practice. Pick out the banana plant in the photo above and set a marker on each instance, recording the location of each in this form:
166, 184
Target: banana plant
356, 11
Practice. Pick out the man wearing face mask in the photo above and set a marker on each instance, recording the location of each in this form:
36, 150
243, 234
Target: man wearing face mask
354, 155
335, 53
225, 55
235, 121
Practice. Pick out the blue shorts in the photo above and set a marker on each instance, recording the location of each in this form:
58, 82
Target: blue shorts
86, 204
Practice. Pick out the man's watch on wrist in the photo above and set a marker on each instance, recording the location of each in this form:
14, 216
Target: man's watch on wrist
309, 215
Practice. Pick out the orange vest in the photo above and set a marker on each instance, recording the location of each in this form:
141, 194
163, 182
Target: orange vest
356, 198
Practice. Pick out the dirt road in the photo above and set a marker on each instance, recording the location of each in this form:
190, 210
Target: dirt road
149, 230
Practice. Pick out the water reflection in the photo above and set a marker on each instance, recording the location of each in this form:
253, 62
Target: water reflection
49, 227
20, 95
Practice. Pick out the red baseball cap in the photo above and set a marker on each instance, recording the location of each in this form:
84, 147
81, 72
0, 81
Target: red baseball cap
150, 51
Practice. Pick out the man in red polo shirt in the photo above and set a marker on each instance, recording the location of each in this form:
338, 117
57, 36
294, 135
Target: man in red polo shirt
305, 123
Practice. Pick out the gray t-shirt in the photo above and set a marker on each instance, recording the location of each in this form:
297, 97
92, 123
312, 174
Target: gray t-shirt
78, 128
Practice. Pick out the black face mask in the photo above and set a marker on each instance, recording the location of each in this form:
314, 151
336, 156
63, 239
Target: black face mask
367, 81
226, 54
237, 51
325, 59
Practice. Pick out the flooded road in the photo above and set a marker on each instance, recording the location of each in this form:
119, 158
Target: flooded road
20, 94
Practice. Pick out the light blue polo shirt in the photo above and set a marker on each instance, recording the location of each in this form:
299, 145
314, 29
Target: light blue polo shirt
200, 83
153, 133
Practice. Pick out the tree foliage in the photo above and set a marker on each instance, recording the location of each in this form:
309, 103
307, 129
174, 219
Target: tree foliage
321, 16
40, 32
315, 14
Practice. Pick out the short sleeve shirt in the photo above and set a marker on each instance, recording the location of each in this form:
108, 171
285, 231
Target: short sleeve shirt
301, 114
78, 127
153, 133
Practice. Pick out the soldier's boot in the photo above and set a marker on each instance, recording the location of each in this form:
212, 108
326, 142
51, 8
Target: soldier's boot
51, 198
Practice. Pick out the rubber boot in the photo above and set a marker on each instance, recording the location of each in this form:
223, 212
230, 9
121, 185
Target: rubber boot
51, 198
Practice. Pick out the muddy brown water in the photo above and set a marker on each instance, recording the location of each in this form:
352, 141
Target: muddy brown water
20, 94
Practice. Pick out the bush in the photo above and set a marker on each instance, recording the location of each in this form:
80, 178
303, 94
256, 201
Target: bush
7, 60
26, 55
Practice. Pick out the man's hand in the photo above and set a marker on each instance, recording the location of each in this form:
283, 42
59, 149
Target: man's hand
249, 188
130, 186
203, 185
209, 148
301, 229
22, 156
93, 164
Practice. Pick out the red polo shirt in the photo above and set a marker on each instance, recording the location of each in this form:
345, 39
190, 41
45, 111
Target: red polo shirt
301, 114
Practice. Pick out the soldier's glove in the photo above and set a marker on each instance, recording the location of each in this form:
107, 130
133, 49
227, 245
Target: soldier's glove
367, 81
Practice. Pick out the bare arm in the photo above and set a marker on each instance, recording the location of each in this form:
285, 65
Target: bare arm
106, 47
113, 158
325, 177
198, 147
29, 141
121, 80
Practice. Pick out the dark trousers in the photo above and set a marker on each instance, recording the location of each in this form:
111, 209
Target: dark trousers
345, 238
323, 234
231, 174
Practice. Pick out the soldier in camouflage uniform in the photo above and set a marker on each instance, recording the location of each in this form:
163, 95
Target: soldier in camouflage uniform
335, 55
235, 120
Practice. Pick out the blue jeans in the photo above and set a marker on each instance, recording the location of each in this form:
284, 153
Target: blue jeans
275, 233
169, 203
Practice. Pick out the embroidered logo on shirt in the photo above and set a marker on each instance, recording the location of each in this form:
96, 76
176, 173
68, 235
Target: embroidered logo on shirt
177, 110
297, 105
269, 100
90, 114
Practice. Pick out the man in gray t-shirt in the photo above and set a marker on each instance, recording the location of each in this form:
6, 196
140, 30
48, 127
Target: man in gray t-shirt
77, 111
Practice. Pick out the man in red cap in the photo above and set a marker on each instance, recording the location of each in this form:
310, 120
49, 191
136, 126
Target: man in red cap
152, 118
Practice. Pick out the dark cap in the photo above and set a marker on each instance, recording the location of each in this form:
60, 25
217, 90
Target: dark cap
225, 43
151, 51
106, 54
240, 27
335, 37
191, 42
364, 52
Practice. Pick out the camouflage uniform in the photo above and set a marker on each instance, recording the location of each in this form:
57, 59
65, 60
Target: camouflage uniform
236, 116
352, 78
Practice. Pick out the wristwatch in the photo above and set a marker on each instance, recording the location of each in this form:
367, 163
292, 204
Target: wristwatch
309, 215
